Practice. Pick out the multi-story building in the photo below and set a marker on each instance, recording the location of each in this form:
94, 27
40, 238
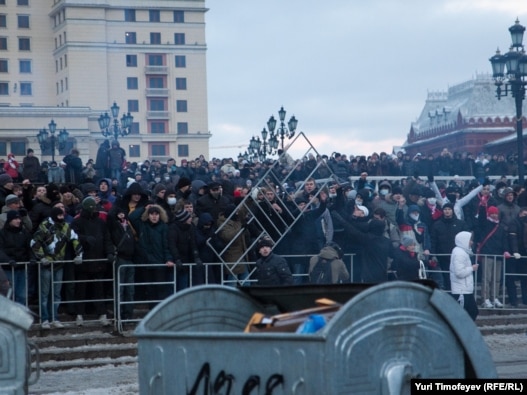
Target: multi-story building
70, 60
466, 118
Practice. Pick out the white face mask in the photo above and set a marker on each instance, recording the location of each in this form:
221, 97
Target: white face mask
358, 202
171, 201
432, 201
415, 217
332, 195
384, 192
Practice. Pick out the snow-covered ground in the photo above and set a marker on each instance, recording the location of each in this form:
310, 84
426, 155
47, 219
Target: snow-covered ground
122, 380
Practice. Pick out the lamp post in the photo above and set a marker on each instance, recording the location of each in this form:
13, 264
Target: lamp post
282, 131
49, 140
261, 148
513, 81
115, 129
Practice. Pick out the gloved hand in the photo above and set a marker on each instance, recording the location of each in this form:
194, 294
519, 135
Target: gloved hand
507, 255
516, 255
22, 211
45, 261
198, 262
12, 263
432, 263
179, 264
77, 260
110, 258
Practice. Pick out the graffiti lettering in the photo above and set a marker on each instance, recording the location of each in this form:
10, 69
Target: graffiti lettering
223, 383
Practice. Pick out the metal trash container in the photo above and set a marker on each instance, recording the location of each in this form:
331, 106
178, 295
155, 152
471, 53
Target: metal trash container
193, 343
15, 350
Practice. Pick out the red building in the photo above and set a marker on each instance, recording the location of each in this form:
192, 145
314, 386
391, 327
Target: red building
466, 118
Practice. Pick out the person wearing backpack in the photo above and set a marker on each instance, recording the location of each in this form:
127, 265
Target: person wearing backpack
327, 267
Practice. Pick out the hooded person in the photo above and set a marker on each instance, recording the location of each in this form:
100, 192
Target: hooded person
183, 188
405, 264
462, 273
332, 254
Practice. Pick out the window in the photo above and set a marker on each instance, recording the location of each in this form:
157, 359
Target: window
155, 38
3, 20
3, 147
24, 44
157, 127
181, 105
181, 61
182, 150
134, 128
181, 84
65, 60
157, 104
4, 88
159, 150
179, 16
23, 21
179, 38
154, 16
134, 151
3, 43
156, 82
129, 15
132, 83
26, 89
130, 38
131, 60
22, 2
18, 148
155, 60
133, 105
4, 66
24, 66
182, 128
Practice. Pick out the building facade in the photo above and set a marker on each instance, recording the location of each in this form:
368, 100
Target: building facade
70, 60
467, 118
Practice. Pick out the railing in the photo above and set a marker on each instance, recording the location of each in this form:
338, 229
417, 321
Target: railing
504, 278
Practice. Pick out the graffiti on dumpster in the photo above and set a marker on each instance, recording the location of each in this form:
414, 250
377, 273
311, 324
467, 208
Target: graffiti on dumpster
223, 382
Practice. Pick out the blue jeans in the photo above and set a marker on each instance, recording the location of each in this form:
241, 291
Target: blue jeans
47, 311
126, 292
18, 283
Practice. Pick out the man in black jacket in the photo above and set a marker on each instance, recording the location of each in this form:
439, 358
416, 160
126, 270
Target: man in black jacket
271, 269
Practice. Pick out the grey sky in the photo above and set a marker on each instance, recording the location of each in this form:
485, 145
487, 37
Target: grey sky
354, 73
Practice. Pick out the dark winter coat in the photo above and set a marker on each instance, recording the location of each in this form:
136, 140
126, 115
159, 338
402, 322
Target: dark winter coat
405, 264
32, 169
273, 270
15, 245
207, 204
443, 234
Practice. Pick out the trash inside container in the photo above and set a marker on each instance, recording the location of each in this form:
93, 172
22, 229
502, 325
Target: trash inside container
15, 361
381, 338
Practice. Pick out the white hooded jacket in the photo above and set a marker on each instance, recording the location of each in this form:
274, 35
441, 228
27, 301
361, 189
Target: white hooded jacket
461, 278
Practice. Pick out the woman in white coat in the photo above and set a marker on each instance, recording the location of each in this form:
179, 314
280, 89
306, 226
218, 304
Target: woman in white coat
462, 273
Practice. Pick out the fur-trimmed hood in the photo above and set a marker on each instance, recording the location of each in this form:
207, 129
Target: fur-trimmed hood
162, 213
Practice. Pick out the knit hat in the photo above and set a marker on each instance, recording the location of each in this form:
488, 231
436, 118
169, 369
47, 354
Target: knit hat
5, 179
299, 200
448, 205
265, 242
182, 215
89, 204
364, 209
492, 210
397, 191
11, 215
407, 241
213, 185
158, 188
413, 208
11, 199
183, 182
55, 212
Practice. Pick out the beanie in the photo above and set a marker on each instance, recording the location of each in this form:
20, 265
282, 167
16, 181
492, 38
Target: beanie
448, 205
89, 204
183, 182
158, 188
11, 199
182, 215
413, 208
397, 191
265, 242
492, 210
11, 215
364, 209
407, 241
55, 212
5, 179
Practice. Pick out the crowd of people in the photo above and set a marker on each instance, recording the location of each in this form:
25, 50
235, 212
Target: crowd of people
68, 227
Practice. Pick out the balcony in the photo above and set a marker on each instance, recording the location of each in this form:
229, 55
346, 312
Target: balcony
156, 69
158, 115
159, 92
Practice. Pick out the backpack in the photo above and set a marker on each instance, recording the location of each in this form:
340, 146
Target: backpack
321, 273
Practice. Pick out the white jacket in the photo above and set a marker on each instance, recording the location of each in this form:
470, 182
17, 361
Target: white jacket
461, 278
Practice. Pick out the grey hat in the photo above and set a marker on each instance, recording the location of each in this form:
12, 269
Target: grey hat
11, 199
407, 241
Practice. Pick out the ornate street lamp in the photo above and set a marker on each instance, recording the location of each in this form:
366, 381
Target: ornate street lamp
509, 72
282, 131
261, 148
115, 129
49, 140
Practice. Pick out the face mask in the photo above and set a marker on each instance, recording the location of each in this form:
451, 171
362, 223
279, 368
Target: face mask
415, 217
157, 180
358, 202
171, 201
332, 195
384, 192
432, 201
